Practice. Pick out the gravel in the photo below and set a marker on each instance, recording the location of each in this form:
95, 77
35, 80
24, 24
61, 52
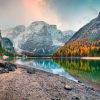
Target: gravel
22, 84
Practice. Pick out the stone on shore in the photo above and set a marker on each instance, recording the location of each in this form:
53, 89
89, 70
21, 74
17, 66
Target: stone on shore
6, 67
31, 71
20, 85
67, 87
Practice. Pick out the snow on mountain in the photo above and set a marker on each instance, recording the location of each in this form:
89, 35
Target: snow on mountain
12, 33
38, 38
67, 35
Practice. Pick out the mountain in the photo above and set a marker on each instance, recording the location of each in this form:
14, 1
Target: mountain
7, 44
12, 33
90, 31
38, 38
85, 42
67, 35
6, 47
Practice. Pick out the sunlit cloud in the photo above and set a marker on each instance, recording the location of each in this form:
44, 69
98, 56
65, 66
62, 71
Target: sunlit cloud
35, 10
66, 14
27, 11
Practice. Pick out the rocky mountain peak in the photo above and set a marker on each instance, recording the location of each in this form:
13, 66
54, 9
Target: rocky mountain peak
90, 31
99, 15
38, 38
37, 26
5, 43
19, 28
39, 22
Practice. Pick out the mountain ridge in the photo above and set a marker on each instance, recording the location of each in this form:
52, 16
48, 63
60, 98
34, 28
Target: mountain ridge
86, 28
85, 42
39, 37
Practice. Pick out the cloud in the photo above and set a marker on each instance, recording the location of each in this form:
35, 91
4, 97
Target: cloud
37, 10
14, 12
66, 14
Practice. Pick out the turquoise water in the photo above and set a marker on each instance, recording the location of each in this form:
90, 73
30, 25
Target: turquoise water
47, 65
86, 70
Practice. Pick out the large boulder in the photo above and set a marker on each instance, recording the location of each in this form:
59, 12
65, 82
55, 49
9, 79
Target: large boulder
6, 67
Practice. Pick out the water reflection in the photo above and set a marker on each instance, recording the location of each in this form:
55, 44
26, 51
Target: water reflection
47, 65
89, 69
86, 70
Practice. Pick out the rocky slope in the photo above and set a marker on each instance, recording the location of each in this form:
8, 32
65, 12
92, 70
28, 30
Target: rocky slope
67, 35
38, 38
6, 43
90, 31
12, 33
85, 42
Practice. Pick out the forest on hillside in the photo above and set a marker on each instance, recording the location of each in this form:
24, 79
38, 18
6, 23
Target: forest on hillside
79, 48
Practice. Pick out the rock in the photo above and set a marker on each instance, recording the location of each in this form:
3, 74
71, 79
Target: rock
50, 75
55, 99
31, 71
75, 98
79, 81
6, 67
10, 66
67, 87
4, 71
82, 84
2, 65
92, 89
5, 57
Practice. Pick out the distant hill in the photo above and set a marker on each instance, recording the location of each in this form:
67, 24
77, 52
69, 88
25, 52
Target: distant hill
85, 42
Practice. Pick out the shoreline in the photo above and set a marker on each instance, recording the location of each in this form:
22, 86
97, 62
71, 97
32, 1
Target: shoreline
98, 58
33, 84
91, 58
85, 58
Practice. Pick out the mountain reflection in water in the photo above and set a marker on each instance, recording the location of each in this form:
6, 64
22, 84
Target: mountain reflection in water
85, 70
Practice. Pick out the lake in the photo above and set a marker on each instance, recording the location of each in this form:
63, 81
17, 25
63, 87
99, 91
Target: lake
87, 71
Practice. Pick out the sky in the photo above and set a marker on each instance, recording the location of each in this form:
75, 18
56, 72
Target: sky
66, 14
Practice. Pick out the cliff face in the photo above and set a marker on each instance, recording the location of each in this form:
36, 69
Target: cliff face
5, 43
38, 38
90, 31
